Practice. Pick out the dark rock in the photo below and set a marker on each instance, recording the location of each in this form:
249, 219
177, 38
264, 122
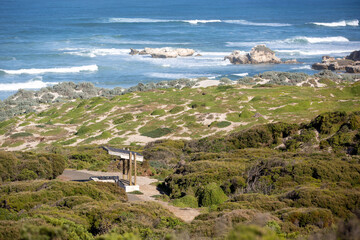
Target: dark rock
133, 51
339, 64
353, 69
355, 56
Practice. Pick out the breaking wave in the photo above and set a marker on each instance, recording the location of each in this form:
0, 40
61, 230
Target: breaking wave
88, 68
316, 39
342, 23
194, 21
35, 83
244, 22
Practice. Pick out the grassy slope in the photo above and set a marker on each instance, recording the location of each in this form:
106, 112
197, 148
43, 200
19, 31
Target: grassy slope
146, 116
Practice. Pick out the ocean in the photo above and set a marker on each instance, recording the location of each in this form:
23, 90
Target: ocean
44, 42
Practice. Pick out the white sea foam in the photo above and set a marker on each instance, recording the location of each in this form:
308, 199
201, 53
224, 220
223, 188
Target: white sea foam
214, 54
83, 52
150, 20
240, 74
302, 67
176, 75
342, 23
244, 22
194, 22
135, 20
293, 40
316, 39
312, 52
35, 83
88, 68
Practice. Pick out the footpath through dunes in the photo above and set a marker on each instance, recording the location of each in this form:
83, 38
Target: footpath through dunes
146, 187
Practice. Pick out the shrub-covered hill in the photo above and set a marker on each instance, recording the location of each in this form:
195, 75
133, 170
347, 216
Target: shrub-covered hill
72, 210
308, 186
17, 166
337, 132
187, 113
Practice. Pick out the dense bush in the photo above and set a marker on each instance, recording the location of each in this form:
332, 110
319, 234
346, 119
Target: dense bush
321, 218
28, 166
186, 201
212, 194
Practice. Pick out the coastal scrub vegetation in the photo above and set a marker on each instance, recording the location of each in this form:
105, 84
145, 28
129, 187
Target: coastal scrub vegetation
272, 181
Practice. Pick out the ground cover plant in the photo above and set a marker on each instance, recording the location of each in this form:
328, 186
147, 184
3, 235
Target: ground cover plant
187, 113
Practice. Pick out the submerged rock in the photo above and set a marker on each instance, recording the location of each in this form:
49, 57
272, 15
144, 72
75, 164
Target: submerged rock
164, 52
258, 54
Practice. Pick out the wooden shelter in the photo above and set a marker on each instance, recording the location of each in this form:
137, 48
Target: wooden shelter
128, 163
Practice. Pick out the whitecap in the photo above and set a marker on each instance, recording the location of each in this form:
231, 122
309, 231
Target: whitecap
83, 52
245, 22
316, 39
240, 74
35, 83
194, 22
302, 67
88, 68
311, 52
342, 23
135, 20
176, 75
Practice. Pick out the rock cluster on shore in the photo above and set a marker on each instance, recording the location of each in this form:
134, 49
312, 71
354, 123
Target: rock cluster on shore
258, 54
164, 52
350, 64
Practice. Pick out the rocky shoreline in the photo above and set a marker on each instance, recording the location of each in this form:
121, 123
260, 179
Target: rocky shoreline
350, 63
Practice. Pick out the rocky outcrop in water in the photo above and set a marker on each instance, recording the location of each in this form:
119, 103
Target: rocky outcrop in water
164, 52
350, 64
258, 54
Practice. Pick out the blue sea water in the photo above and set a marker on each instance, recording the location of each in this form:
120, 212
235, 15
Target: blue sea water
43, 42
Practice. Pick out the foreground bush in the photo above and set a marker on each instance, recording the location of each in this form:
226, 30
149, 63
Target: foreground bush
28, 166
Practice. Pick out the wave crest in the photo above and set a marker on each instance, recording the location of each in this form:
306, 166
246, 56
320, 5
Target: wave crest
35, 83
317, 39
194, 21
88, 68
244, 22
342, 23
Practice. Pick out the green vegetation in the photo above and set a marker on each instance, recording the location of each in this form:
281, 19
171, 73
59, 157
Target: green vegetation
278, 162
70, 210
28, 166
159, 132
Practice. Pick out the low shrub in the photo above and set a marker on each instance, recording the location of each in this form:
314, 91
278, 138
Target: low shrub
212, 194
158, 112
126, 117
177, 109
159, 132
186, 201
321, 218
21, 134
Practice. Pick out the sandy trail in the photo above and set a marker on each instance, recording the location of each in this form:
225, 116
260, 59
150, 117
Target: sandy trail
146, 187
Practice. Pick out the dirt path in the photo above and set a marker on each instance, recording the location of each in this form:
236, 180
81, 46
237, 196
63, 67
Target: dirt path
146, 187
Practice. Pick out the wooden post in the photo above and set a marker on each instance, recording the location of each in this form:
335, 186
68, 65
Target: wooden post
130, 168
135, 173
124, 168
